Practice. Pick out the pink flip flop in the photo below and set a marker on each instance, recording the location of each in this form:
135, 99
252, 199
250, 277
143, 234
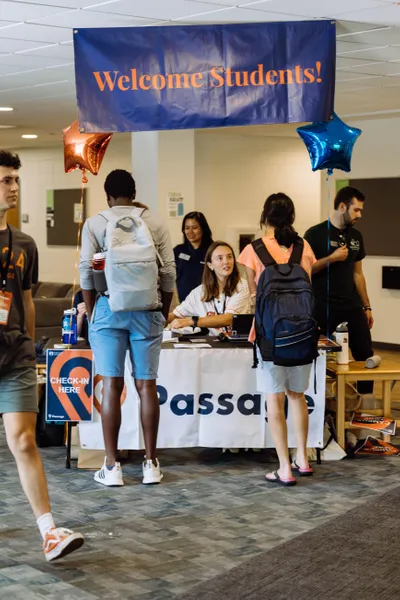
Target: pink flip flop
302, 472
274, 478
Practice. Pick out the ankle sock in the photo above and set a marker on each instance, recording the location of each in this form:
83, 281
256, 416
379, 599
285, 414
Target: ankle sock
45, 523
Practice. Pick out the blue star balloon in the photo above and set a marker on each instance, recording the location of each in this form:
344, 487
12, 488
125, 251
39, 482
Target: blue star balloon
329, 143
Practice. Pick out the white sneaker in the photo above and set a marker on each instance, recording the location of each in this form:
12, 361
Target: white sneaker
111, 477
60, 542
151, 473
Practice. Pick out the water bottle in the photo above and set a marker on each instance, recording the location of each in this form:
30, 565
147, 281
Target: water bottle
342, 338
69, 327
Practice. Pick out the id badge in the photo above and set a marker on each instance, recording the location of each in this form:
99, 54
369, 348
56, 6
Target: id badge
5, 307
184, 256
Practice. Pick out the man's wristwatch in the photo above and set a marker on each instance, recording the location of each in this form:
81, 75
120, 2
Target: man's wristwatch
367, 308
195, 322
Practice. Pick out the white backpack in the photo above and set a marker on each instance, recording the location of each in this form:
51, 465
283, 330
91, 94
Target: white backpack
131, 268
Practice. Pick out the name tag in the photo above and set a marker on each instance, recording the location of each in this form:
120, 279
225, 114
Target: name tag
5, 306
184, 256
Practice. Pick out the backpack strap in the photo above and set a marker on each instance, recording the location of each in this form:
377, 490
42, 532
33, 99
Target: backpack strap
297, 252
262, 252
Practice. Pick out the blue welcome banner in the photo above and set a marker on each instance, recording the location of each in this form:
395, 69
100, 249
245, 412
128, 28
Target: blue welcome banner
187, 77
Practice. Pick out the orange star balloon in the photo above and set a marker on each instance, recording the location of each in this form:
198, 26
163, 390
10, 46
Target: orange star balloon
84, 151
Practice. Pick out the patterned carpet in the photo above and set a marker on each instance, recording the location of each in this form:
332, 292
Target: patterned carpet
211, 513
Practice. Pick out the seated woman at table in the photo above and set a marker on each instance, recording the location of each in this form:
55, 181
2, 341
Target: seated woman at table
221, 294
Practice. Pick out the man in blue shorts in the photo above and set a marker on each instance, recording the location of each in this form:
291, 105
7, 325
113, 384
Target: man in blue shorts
113, 334
18, 384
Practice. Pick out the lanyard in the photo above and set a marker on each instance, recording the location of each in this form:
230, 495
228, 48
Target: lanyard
5, 267
223, 308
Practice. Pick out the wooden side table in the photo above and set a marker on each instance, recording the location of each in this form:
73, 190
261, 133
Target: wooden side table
387, 372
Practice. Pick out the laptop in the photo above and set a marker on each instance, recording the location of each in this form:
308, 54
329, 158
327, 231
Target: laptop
241, 326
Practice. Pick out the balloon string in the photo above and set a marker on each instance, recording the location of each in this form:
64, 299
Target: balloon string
78, 245
328, 181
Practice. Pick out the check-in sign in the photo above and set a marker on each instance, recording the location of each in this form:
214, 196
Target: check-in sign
69, 389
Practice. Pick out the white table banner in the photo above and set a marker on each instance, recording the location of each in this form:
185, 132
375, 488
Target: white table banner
207, 398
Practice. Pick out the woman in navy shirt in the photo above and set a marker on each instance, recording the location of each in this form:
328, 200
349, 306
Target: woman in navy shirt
190, 255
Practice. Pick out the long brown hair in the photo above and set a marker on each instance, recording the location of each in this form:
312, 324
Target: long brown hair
210, 281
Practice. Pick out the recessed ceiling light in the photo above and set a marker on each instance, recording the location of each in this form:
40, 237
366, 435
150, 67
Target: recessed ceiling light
5, 108
29, 136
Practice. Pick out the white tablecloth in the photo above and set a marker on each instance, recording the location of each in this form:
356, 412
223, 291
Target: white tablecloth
208, 398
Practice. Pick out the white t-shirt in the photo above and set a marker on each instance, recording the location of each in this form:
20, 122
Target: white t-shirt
193, 305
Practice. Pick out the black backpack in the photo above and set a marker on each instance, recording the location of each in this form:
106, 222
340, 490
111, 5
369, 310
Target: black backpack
286, 332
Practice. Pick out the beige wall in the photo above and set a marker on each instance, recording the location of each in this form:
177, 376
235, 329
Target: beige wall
235, 173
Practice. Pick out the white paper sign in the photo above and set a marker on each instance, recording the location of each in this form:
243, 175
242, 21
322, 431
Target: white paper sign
176, 205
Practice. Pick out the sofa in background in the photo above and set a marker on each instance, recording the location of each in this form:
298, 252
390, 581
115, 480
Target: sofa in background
50, 299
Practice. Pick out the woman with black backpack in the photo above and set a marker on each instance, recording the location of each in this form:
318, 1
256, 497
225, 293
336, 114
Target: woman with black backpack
278, 269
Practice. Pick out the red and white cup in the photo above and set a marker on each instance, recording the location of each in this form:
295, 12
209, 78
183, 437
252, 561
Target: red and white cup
99, 261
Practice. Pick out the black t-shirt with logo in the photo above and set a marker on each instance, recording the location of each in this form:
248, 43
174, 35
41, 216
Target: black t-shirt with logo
342, 291
16, 347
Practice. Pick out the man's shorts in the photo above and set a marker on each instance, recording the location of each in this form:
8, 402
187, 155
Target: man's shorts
273, 379
112, 334
18, 391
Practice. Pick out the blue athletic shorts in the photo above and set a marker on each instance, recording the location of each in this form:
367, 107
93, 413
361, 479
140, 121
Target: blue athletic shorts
112, 334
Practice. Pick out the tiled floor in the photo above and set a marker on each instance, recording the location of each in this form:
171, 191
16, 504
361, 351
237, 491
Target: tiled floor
211, 512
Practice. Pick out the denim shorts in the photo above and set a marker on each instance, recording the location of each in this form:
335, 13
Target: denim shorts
273, 379
111, 335
18, 391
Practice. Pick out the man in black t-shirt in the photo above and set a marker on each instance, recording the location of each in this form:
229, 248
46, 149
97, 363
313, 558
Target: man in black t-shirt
18, 380
338, 280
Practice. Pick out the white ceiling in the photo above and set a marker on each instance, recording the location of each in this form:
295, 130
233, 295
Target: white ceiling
36, 53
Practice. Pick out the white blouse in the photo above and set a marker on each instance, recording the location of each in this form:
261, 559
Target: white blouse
193, 305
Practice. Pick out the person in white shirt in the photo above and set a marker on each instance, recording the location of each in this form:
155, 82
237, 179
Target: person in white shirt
222, 294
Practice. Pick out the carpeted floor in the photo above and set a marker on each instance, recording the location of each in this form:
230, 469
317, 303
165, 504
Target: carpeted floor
212, 513
354, 556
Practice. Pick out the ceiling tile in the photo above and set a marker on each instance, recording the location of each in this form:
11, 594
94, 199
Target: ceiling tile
360, 81
65, 3
376, 68
37, 33
4, 24
376, 37
349, 62
344, 76
6, 69
26, 11
88, 18
63, 51
240, 15
37, 78
379, 54
353, 46
351, 27
11, 45
27, 61
385, 14
235, 3
315, 8
157, 9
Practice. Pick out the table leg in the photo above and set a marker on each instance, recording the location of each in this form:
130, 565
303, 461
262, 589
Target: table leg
68, 458
340, 410
387, 404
